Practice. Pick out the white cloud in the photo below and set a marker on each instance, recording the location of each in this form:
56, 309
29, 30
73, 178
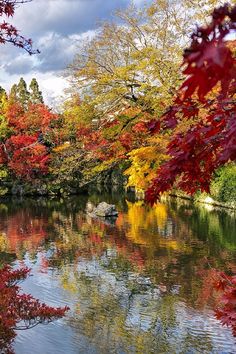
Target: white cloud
56, 27
51, 85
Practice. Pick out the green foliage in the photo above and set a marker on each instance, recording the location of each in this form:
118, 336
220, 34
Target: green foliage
22, 93
36, 96
223, 187
3, 178
13, 94
5, 130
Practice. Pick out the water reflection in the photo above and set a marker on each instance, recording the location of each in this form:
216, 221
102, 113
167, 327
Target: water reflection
139, 285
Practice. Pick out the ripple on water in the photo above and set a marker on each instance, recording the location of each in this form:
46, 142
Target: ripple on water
131, 286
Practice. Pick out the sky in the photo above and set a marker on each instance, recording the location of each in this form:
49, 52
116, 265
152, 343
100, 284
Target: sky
56, 27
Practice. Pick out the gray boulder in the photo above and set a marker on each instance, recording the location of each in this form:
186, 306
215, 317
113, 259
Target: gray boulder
103, 209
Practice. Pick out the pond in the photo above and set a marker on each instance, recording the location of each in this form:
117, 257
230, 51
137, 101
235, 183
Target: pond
136, 284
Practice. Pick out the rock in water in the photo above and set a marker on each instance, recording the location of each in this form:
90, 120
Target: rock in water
103, 209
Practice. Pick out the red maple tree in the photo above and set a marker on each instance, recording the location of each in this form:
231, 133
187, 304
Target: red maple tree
20, 311
210, 141
226, 310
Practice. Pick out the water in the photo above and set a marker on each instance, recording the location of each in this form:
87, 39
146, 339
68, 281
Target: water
138, 284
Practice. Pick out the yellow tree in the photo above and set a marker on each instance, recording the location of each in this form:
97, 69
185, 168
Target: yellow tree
136, 58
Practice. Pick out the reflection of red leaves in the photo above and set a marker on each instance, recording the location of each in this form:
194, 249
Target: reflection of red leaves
95, 238
137, 258
23, 232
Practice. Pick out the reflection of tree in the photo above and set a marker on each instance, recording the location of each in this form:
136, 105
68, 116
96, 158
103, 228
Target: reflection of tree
160, 242
154, 257
128, 315
23, 231
213, 226
153, 241
26, 225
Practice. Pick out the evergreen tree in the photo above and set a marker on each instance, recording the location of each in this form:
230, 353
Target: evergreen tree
35, 94
22, 93
13, 94
3, 100
2, 91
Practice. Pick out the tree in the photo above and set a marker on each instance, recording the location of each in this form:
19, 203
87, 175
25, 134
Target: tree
26, 137
2, 91
3, 100
26, 157
9, 33
137, 58
206, 99
23, 93
126, 76
13, 94
36, 96
20, 311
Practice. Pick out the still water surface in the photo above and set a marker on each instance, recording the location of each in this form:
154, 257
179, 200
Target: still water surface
138, 284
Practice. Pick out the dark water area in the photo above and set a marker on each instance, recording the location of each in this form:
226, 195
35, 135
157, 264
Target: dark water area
141, 283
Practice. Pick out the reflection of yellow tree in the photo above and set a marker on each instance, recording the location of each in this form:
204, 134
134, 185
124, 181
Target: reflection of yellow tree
118, 320
158, 242
140, 220
3, 242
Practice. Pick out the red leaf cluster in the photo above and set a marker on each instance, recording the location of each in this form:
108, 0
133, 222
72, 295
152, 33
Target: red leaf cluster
27, 156
9, 33
20, 311
211, 140
26, 152
37, 118
226, 311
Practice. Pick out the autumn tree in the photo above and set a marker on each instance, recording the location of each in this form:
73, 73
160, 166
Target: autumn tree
207, 100
27, 139
126, 76
137, 57
26, 134
20, 311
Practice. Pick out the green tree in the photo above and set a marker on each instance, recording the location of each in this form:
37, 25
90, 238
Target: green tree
35, 94
3, 100
2, 91
23, 93
13, 94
